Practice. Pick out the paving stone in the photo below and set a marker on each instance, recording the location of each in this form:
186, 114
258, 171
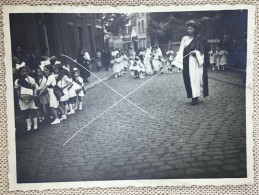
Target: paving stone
230, 168
214, 169
214, 162
203, 158
197, 164
195, 171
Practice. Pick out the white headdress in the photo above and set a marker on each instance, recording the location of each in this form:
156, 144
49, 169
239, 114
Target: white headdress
44, 63
18, 66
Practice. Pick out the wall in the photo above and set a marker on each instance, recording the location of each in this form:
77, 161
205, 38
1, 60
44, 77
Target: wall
65, 33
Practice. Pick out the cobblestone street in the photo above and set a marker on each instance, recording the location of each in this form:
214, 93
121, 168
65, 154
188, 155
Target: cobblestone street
207, 140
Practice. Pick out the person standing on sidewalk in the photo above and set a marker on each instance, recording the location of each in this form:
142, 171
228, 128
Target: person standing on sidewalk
83, 58
98, 60
190, 58
106, 59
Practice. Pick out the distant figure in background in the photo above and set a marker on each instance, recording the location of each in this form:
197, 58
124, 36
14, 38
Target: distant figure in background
217, 56
117, 66
156, 59
223, 57
141, 55
132, 53
83, 58
170, 58
33, 61
19, 55
106, 58
125, 62
147, 61
212, 57
98, 59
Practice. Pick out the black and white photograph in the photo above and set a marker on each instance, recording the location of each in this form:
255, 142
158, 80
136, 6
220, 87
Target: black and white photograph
129, 95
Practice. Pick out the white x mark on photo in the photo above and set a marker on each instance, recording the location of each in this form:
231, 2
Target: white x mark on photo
123, 97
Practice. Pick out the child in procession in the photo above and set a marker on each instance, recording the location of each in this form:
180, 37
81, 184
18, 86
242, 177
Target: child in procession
147, 61
26, 90
170, 58
125, 63
53, 101
138, 68
80, 91
117, 66
223, 58
212, 55
41, 81
217, 56
63, 82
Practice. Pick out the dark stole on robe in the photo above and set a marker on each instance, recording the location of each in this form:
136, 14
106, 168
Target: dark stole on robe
196, 44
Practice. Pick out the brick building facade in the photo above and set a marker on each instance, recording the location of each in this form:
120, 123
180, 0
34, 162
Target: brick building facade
53, 33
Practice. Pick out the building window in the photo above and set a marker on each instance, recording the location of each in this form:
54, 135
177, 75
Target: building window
143, 28
139, 29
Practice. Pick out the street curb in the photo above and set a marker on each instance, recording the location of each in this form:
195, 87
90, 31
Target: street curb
97, 82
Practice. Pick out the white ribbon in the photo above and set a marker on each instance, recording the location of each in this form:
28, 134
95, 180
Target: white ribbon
43, 64
18, 66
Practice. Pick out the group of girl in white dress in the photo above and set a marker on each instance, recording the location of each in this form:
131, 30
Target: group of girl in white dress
218, 57
54, 92
148, 62
120, 63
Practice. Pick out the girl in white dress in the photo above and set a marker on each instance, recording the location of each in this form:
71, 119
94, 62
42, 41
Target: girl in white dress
117, 66
217, 56
44, 98
223, 58
80, 92
63, 82
147, 62
212, 57
170, 58
53, 101
156, 60
26, 90
138, 68
125, 63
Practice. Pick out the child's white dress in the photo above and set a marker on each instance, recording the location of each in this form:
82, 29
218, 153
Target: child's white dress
125, 62
51, 81
212, 57
138, 66
44, 98
223, 58
217, 56
81, 81
64, 82
117, 65
24, 105
147, 62
157, 64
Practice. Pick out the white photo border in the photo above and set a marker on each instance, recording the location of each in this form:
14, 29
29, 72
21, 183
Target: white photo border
12, 174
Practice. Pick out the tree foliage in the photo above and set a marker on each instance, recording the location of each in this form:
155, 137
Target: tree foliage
115, 22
